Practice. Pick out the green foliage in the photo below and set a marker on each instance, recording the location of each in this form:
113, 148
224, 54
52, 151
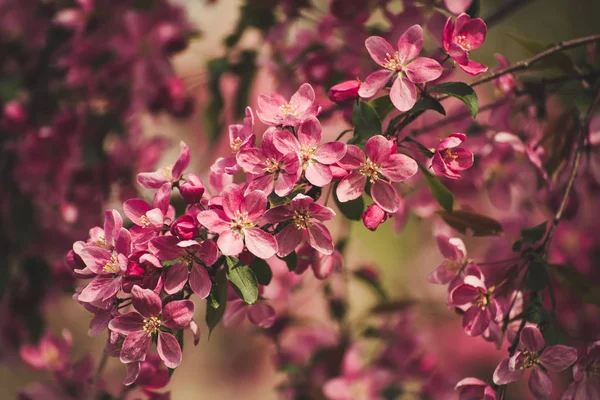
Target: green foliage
532, 235
462, 92
474, 223
537, 277
352, 209
243, 279
262, 271
442, 195
219, 295
428, 103
365, 120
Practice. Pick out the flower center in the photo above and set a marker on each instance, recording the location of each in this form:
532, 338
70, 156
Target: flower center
51, 356
288, 109
301, 219
151, 325
448, 154
112, 266
241, 221
145, 221
482, 301
236, 144
463, 42
272, 166
530, 359
101, 242
370, 170
167, 171
392, 63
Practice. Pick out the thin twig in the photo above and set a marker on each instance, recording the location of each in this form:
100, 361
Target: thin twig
502, 12
583, 131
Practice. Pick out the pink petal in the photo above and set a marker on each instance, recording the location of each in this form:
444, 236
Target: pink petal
457, 6
268, 109
255, 204
399, 167
285, 182
474, 31
145, 301
169, 350
463, 160
441, 275
99, 323
476, 321
135, 209
353, 158
100, 290
230, 243
286, 143
403, 94
319, 238
463, 294
532, 339
385, 196
452, 248
214, 220
152, 180
448, 33
232, 200
410, 43
288, 239
200, 281
423, 70
261, 315
263, 183
503, 375
379, 49
304, 98
261, 244
318, 174
378, 149
234, 313
195, 331
135, 347
177, 314
473, 68
540, 384
95, 258
182, 162
133, 370
330, 153
309, 133
351, 187
277, 214
127, 323
452, 141
558, 358
162, 198
374, 82
112, 225
252, 160
317, 211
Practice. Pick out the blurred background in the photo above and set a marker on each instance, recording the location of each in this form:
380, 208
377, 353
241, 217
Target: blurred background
238, 364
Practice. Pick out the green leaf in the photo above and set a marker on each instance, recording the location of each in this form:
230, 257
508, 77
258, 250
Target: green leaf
474, 223
10, 85
291, 260
532, 235
262, 271
170, 263
577, 283
383, 106
219, 291
428, 103
537, 277
365, 120
442, 195
392, 306
461, 91
352, 209
243, 280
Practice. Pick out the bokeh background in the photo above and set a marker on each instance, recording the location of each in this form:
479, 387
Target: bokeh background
236, 364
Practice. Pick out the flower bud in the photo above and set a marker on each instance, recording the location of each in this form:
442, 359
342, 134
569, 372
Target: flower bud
345, 91
185, 228
192, 190
373, 216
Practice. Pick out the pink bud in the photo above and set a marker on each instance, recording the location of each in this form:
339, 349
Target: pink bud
373, 216
14, 113
344, 91
192, 190
185, 228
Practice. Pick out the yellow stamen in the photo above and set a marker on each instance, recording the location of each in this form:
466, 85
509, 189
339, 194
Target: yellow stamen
370, 170
151, 325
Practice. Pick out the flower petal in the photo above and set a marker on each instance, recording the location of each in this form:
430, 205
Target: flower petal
378, 149
374, 82
403, 94
351, 187
503, 375
399, 167
318, 174
135, 347
330, 153
540, 384
261, 244
261, 314
379, 49
214, 220
169, 350
127, 323
385, 196
230, 243
200, 281
177, 314
532, 339
410, 43
145, 301
423, 70
309, 133
558, 358
288, 239
353, 158
304, 98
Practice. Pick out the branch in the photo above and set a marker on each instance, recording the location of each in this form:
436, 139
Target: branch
502, 12
583, 131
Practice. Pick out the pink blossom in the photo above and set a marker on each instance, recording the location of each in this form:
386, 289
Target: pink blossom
151, 217
274, 110
241, 136
270, 168
344, 91
474, 389
456, 258
373, 217
377, 167
534, 355
260, 313
448, 160
410, 70
237, 223
306, 216
462, 36
51, 353
483, 306
192, 189
172, 174
586, 383
314, 157
505, 83
322, 264
141, 326
147, 374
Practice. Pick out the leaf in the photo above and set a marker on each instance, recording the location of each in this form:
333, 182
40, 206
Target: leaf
170, 263
291, 261
428, 103
461, 91
352, 209
262, 270
474, 9
476, 224
392, 306
214, 315
365, 120
442, 195
537, 277
532, 235
577, 283
243, 280
383, 106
